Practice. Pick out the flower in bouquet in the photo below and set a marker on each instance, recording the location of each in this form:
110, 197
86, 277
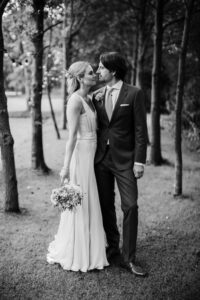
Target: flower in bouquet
67, 196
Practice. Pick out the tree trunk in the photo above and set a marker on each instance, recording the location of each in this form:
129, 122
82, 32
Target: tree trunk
142, 41
27, 88
67, 28
64, 83
51, 108
141, 45
28, 85
140, 63
179, 100
6, 139
155, 153
27, 76
134, 59
36, 113
48, 67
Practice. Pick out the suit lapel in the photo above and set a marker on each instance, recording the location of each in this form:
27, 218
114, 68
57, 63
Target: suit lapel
101, 104
122, 95
103, 108
104, 96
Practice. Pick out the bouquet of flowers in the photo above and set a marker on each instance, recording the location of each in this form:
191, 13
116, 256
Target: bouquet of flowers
67, 196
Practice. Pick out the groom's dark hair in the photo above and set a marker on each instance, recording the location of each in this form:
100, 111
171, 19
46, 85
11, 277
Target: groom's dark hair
114, 62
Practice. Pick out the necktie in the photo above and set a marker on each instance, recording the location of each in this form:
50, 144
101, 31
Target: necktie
109, 103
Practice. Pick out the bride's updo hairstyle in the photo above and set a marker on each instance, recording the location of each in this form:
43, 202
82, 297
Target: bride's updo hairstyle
75, 71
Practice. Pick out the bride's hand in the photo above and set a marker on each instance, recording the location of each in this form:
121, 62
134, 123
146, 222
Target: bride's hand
64, 174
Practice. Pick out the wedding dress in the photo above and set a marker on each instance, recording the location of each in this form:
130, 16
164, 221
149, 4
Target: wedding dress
80, 242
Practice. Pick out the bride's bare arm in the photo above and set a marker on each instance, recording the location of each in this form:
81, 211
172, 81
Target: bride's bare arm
74, 108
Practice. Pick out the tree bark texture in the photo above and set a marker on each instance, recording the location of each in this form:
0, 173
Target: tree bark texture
27, 76
134, 59
141, 45
179, 99
48, 67
64, 84
155, 153
6, 139
36, 113
52, 111
67, 40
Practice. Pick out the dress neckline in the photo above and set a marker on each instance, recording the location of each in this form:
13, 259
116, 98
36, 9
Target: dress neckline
92, 110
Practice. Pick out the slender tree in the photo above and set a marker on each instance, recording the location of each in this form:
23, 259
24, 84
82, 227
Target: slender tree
36, 113
142, 27
134, 58
6, 139
67, 41
49, 85
141, 43
155, 153
179, 97
75, 13
27, 75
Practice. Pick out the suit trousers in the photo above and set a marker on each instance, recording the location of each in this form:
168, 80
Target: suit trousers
106, 173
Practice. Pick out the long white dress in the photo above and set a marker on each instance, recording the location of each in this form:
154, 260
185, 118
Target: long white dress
80, 242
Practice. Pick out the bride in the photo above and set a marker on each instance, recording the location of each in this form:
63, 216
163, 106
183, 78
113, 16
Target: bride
80, 244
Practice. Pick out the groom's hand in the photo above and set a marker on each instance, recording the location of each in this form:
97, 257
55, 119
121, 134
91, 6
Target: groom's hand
138, 170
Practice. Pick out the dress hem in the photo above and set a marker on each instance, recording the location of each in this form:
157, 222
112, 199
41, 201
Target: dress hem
77, 269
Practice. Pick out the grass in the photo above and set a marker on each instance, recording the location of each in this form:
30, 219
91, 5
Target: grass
168, 237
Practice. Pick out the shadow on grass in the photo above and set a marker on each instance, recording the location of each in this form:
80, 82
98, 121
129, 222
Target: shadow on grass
164, 162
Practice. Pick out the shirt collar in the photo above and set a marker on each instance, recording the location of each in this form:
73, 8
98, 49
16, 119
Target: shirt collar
116, 86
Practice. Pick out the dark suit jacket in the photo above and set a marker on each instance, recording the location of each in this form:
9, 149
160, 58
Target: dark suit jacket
127, 129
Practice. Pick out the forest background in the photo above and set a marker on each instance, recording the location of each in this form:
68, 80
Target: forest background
161, 42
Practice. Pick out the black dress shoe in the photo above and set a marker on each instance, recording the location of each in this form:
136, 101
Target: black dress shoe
134, 269
112, 253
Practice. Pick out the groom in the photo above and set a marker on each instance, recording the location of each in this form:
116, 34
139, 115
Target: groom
121, 154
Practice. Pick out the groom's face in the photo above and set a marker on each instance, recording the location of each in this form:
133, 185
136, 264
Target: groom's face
104, 74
